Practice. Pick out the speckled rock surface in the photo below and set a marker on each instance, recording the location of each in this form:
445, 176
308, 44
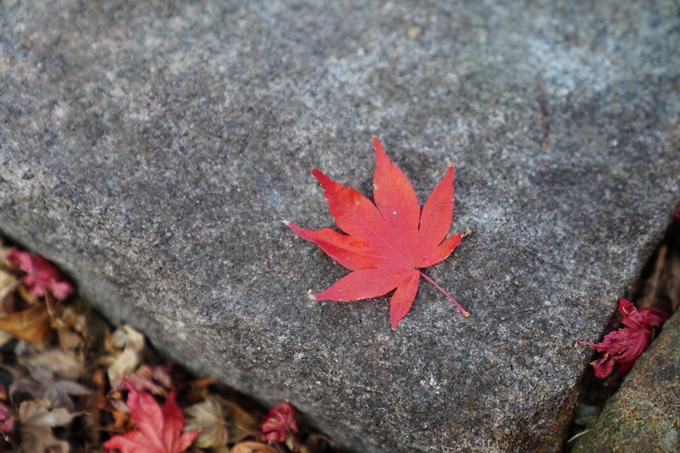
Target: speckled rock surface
644, 416
153, 148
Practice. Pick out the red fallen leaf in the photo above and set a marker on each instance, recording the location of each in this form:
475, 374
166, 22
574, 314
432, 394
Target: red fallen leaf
279, 421
6, 423
159, 430
385, 246
625, 345
40, 274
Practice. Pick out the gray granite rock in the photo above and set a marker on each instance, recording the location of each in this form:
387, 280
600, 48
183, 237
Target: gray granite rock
153, 148
644, 416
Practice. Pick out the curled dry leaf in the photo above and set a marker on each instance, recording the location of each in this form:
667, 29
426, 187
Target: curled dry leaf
67, 323
31, 324
36, 421
208, 417
155, 379
279, 423
252, 447
625, 345
129, 359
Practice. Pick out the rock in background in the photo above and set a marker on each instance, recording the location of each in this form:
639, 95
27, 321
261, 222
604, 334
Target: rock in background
645, 414
153, 148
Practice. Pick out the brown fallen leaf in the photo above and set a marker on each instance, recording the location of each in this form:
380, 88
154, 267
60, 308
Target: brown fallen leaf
92, 419
242, 421
36, 420
31, 324
208, 416
63, 320
129, 359
66, 364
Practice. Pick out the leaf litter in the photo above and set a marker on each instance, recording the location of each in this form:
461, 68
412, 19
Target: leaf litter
70, 382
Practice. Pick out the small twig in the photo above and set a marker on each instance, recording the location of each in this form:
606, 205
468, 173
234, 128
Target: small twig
544, 114
578, 435
593, 46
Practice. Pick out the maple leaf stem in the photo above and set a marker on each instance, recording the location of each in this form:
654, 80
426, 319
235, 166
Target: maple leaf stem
462, 310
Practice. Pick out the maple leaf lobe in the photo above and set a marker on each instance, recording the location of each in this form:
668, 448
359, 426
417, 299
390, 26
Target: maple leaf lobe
159, 429
40, 275
278, 423
386, 243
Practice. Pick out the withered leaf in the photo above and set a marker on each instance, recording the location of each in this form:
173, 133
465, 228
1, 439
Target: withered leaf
31, 324
36, 421
208, 416
42, 384
129, 359
66, 364
155, 379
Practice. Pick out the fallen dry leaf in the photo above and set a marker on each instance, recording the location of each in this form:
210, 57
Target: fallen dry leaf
128, 361
66, 364
67, 322
387, 243
31, 324
42, 384
242, 422
36, 421
208, 417
155, 379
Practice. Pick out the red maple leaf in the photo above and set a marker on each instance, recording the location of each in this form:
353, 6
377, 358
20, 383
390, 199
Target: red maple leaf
388, 243
279, 421
159, 430
625, 345
40, 275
